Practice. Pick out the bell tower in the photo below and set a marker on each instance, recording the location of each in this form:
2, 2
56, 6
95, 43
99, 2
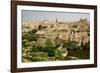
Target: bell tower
56, 20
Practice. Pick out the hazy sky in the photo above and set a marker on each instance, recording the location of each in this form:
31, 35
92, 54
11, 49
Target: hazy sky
31, 15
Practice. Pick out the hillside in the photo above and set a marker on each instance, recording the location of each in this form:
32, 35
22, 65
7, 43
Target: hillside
47, 41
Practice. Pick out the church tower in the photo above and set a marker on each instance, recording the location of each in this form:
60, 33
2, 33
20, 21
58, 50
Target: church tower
56, 20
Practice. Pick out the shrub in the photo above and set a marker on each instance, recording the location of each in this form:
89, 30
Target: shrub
37, 48
30, 37
87, 46
70, 45
33, 31
39, 27
39, 56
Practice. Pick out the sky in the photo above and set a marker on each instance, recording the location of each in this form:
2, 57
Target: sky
33, 15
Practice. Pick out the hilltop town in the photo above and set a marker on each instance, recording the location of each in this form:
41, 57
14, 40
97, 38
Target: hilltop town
59, 36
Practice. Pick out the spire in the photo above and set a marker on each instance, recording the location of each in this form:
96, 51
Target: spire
56, 20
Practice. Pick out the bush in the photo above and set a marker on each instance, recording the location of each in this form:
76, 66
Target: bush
39, 27
70, 45
39, 56
37, 48
32, 32
87, 46
30, 37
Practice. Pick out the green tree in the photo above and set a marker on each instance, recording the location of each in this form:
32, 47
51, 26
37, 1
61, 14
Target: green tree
29, 36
